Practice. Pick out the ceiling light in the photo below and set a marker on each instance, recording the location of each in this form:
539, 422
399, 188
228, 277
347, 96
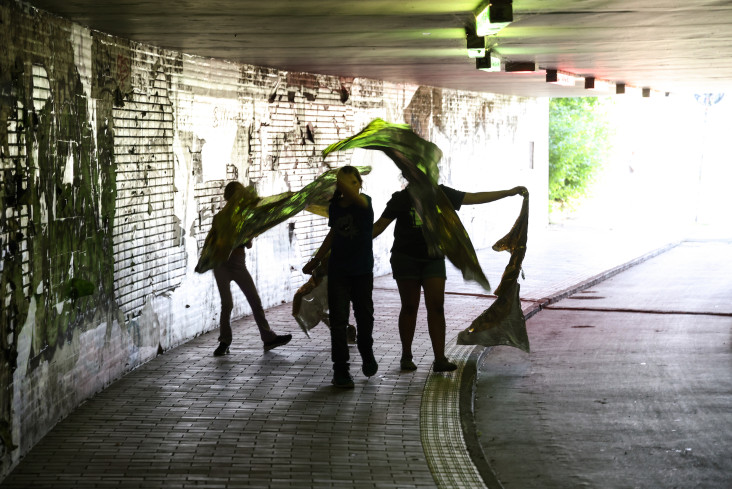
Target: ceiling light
500, 11
494, 17
560, 78
475, 43
490, 62
519, 67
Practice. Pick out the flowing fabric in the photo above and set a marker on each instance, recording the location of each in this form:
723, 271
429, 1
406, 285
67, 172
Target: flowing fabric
503, 323
417, 159
310, 304
246, 216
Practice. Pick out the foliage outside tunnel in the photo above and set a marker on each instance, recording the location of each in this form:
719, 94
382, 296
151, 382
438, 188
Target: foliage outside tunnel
579, 145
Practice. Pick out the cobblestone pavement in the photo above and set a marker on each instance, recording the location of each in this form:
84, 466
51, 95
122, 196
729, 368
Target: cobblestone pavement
273, 420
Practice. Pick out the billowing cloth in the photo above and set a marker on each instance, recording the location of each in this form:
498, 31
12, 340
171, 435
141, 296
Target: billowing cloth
417, 159
310, 304
246, 216
503, 323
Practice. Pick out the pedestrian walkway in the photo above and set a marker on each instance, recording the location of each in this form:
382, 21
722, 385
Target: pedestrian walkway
273, 420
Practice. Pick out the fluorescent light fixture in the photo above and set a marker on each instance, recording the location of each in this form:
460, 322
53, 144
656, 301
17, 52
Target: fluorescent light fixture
475, 43
490, 63
500, 11
560, 78
494, 17
519, 67
592, 83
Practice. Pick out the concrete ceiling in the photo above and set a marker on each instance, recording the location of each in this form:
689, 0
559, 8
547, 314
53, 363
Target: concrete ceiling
666, 45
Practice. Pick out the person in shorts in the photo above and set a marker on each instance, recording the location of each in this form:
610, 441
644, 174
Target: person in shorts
415, 270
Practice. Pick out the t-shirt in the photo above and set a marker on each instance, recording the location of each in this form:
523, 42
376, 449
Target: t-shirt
408, 236
351, 249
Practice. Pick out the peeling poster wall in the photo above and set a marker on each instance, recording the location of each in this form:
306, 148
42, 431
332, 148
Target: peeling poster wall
113, 159
57, 200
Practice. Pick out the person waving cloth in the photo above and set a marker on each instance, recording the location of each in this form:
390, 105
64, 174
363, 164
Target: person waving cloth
426, 215
350, 274
415, 269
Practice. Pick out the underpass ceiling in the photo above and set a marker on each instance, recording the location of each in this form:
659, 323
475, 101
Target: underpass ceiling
665, 45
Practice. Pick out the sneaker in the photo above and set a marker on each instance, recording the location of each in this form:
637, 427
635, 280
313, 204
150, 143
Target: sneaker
342, 379
443, 365
406, 363
351, 331
370, 367
223, 349
280, 339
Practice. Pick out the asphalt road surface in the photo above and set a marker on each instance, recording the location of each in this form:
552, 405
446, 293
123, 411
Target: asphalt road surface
628, 385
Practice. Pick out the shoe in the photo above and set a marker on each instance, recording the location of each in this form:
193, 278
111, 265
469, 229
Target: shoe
223, 349
280, 339
351, 331
370, 367
406, 363
342, 379
443, 365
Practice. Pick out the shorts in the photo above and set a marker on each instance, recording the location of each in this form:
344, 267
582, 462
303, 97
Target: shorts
405, 267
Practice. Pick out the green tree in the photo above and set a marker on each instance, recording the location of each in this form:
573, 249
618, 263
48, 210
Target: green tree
579, 144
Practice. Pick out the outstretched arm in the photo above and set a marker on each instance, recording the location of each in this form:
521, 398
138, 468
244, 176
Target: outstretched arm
322, 251
380, 226
485, 197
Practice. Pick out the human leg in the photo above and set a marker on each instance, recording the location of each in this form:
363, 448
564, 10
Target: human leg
434, 298
409, 294
363, 310
339, 291
243, 279
223, 278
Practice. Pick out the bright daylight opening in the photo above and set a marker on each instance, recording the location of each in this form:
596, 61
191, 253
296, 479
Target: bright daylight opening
668, 169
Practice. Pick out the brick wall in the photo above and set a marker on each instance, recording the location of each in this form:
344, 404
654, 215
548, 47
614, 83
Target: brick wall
113, 159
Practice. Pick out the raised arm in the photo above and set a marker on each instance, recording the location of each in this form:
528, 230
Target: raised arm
485, 197
322, 251
380, 226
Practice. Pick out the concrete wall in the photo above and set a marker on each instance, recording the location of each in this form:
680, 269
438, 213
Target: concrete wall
113, 159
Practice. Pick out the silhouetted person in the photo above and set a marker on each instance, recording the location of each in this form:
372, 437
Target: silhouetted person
235, 270
350, 274
414, 269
